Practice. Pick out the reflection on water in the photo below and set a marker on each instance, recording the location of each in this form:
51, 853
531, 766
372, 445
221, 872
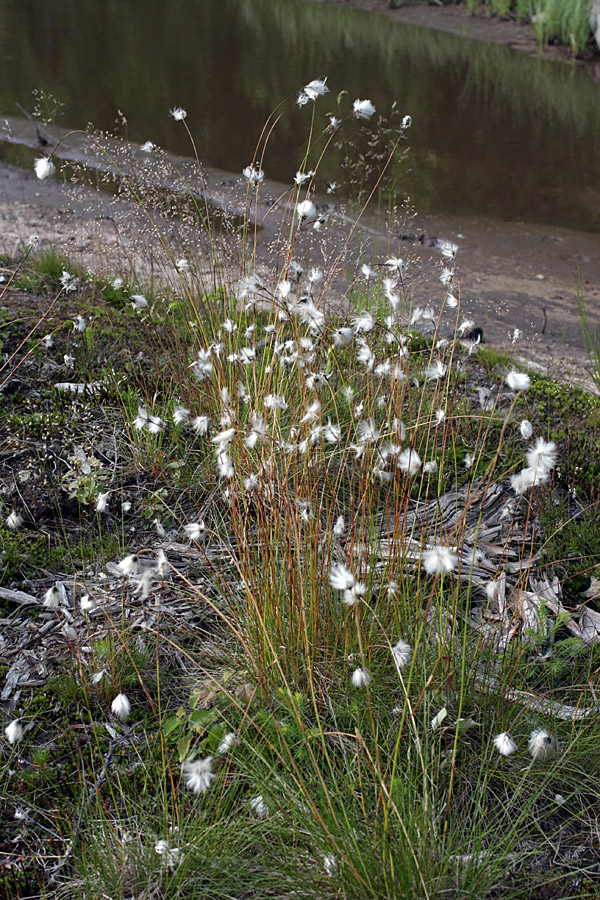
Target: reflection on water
495, 132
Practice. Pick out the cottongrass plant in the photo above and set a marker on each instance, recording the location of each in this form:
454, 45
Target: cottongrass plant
369, 737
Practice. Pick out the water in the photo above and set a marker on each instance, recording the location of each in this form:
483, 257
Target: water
495, 132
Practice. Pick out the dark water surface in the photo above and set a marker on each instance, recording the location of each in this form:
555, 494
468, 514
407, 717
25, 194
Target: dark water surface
495, 132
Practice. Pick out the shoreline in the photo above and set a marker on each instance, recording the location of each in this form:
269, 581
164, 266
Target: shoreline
456, 19
512, 274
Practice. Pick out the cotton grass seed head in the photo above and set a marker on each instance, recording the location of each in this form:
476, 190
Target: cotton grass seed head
362, 109
542, 745
130, 565
518, 381
439, 560
361, 678
178, 113
259, 807
504, 744
121, 707
526, 429
14, 520
198, 774
402, 653
13, 732
44, 167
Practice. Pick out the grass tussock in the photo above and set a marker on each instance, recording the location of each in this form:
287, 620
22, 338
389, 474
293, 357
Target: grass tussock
346, 650
566, 21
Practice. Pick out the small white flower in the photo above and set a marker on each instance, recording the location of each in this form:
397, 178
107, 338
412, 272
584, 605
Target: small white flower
14, 732
439, 560
130, 565
402, 653
259, 807
363, 109
334, 123
121, 707
341, 578
178, 113
361, 678
526, 429
44, 167
14, 520
518, 381
541, 744
504, 744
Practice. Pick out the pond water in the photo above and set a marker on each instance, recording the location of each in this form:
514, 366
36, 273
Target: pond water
495, 132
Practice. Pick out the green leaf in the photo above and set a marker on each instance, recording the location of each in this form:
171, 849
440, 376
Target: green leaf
183, 747
201, 718
170, 725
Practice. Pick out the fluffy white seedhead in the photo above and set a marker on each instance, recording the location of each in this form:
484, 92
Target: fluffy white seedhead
198, 774
518, 381
439, 560
341, 578
363, 109
259, 807
121, 707
178, 113
13, 732
541, 744
402, 653
130, 565
504, 744
409, 461
526, 429
228, 741
542, 455
194, 530
361, 678
14, 520
44, 167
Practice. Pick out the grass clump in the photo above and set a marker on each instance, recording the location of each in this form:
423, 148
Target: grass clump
565, 21
319, 671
